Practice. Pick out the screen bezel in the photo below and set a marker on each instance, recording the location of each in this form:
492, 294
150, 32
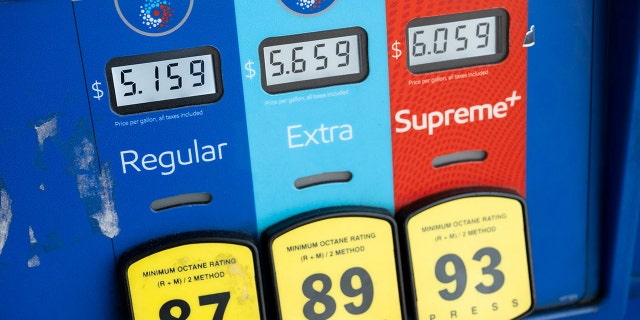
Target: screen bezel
502, 40
319, 82
170, 103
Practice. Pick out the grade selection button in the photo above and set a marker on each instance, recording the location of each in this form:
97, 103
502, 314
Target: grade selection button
337, 264
193, 276
469, 257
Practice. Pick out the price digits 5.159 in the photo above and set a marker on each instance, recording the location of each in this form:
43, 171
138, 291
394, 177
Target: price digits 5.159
321, 306
168, 74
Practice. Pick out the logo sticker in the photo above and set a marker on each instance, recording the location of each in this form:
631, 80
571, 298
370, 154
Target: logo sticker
307, 7
154, 18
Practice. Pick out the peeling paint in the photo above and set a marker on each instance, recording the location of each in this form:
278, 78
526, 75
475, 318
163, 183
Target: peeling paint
46, 130
108, 217
32, 236
87, 185
41, 187
5, 217
85, 154
33, 262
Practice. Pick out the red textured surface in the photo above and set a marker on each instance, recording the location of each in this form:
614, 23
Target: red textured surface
504, 139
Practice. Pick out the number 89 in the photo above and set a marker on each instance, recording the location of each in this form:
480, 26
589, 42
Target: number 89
321, 297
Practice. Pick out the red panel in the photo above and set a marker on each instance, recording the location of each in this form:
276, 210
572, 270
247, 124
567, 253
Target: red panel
502, 137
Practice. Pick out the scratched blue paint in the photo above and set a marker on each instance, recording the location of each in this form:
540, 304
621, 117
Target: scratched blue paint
54, 247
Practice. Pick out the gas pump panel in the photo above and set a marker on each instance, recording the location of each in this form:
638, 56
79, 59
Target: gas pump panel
458, 79
317, 98
168, 111
316, 95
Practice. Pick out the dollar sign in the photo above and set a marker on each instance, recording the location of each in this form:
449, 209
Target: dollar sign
96, 87
397, 52
248, 67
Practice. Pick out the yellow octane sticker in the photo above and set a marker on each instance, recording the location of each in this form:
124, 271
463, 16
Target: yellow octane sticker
337, 268
195, 281
469, 259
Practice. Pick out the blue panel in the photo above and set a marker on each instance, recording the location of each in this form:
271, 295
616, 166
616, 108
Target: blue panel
633, 310
559, 151
349, 123
54, 260
158, 154
631, 28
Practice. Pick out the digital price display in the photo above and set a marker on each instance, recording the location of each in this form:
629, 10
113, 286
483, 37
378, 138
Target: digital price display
343, 264
313, 60
194, 276
457, 40
164, 80
469, 257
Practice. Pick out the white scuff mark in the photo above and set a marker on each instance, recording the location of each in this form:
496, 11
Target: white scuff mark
32, 236
570, 298
108, 217
34, 261
87, 185
46, 130
5, 217
85, 154
84, 158
41, 187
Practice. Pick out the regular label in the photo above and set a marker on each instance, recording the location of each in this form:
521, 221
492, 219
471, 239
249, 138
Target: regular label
337, 268
469, 258
195, 281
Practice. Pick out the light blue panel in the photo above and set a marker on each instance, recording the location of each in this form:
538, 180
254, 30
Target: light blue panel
55, 261
277, 123
560, 142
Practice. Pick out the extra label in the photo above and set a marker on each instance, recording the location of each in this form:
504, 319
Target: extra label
340, 267
469, 258
205, 280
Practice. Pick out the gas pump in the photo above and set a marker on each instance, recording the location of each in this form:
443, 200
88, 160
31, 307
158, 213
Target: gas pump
315, 159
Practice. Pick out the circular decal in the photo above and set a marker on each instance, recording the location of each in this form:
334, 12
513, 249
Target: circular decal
154, 18
307, 7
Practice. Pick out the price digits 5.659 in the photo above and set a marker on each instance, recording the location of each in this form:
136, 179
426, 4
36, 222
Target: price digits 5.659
296, 58
307, 60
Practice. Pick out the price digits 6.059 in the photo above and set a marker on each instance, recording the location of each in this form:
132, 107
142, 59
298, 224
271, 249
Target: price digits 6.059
452, 40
